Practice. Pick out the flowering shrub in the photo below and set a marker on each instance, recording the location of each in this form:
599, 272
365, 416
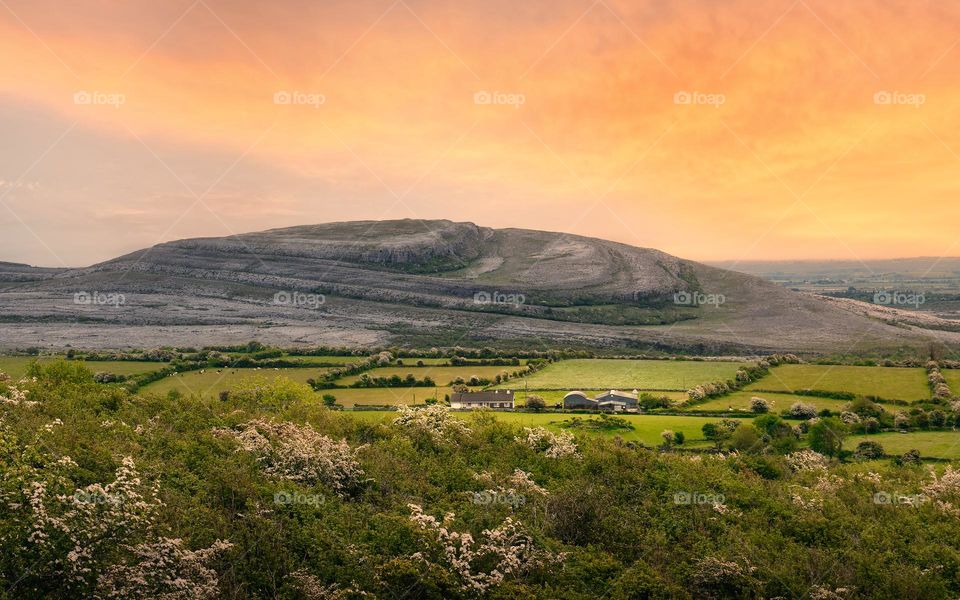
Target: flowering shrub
947, 484
820, 592
717, 578
513, 491
435, 421
550, 444
299, 453
164, 569
503, 552
13, 394
806, 460
901, 420
83, 539
850, 418
77, 529
312, 588
801, 410
812, 498
759, 405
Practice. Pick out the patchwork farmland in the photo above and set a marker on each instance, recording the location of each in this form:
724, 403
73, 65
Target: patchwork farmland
892, 383
662, 385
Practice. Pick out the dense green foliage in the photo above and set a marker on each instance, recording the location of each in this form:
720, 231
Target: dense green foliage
617, 520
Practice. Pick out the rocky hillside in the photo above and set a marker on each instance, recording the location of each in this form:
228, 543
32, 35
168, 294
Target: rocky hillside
429, 283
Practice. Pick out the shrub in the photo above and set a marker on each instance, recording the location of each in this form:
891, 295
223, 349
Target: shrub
434, 421
868, 451
717, 578
806, 460
502, 553
165, 569
651, 402
745, 438
719, 432
801, 410
299, 453
550, 444
759, 405
669, 437
535, 403
910, 457
827, 435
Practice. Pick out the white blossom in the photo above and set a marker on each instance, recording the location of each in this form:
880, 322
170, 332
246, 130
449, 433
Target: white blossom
508, 547
806, 460
435, 421
164, 569
299, 453
552, 445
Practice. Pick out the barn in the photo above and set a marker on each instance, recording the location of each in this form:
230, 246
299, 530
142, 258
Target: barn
579, 400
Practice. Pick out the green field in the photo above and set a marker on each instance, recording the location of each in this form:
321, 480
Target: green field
778, 402
891, 383
411, 362
598, 373
931, 444
213, 381
325, 360
953, 379
441, 375
647, 427
387, 396
16, 366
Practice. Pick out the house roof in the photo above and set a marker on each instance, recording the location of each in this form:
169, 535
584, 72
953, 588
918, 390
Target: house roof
485, 396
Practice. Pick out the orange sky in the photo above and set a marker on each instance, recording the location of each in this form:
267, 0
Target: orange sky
816, 129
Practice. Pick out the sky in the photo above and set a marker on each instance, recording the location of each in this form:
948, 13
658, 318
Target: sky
710, 129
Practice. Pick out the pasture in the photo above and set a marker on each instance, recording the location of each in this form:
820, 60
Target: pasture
891, 383
930, 444
441, 375
647, 428
740, 401
16, 366
600, 373
953, 379
322, 360
210, 382
387, 396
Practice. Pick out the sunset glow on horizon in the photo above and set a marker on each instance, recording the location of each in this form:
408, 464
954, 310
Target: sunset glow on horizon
712, 130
